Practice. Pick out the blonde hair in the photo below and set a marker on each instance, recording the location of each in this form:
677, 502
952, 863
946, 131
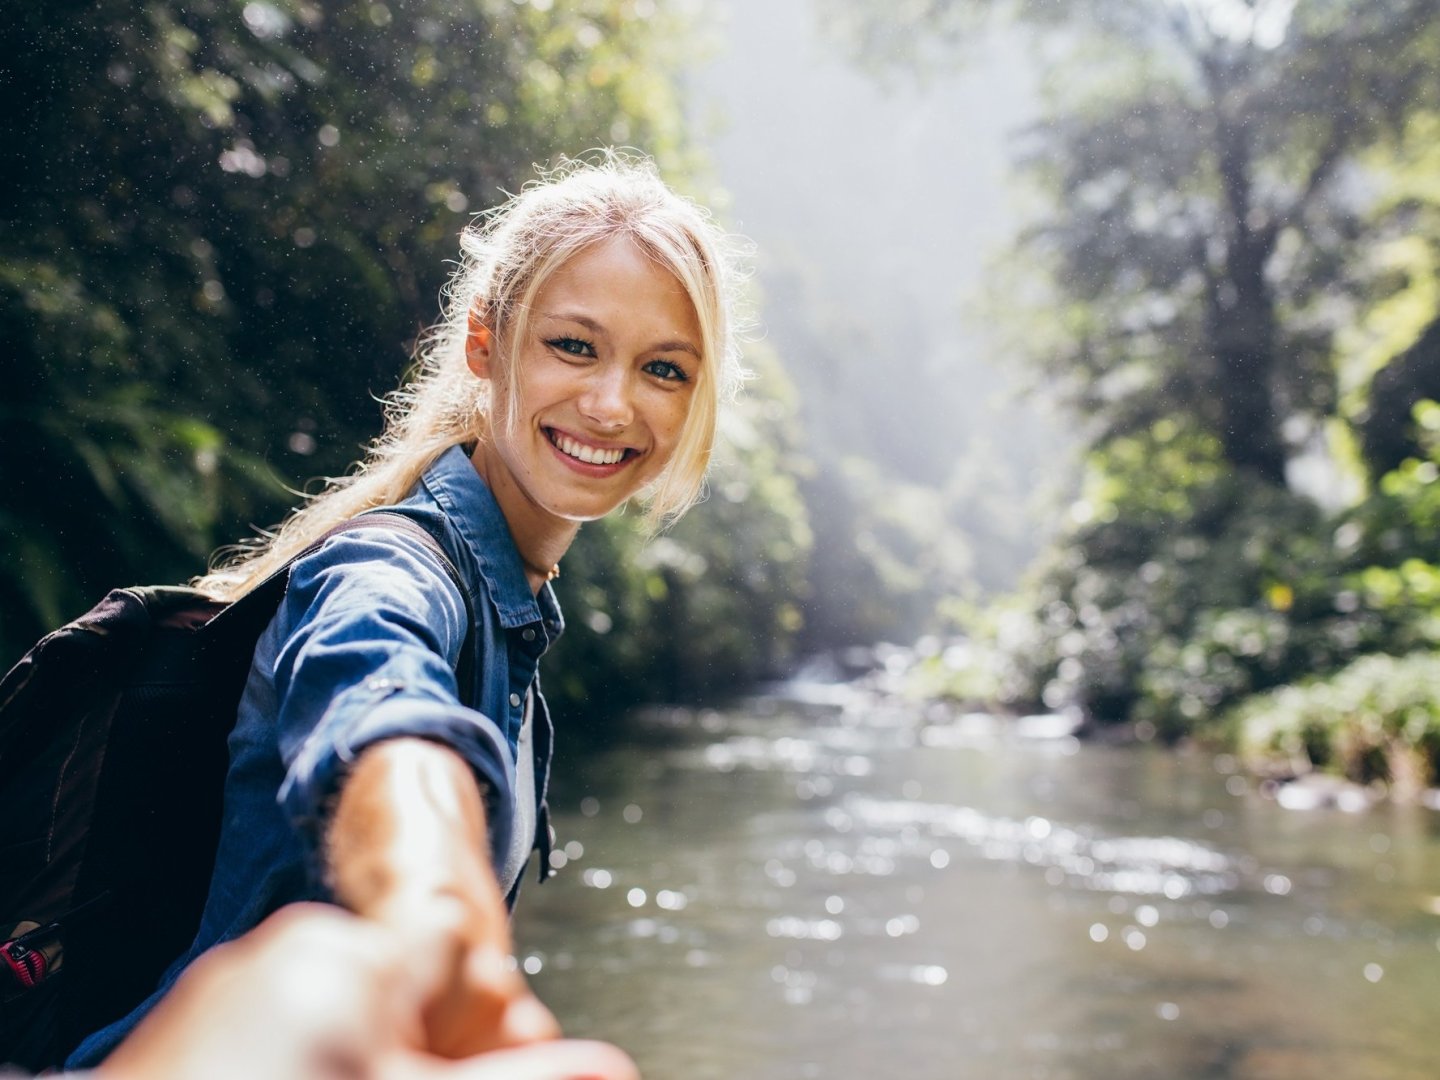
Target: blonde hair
507, 256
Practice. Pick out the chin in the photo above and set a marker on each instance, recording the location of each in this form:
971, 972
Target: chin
582, 506
581, 511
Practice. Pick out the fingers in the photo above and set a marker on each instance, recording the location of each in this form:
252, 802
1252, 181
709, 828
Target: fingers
523, 1019
488, 1006
570, 1059
526, 1021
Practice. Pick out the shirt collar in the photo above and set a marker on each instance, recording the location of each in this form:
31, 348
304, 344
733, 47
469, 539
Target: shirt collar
458, 488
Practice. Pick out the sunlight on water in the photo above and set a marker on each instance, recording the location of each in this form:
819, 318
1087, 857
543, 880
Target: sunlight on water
1154, 866
834, 890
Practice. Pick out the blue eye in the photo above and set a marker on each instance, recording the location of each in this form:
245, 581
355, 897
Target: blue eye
572, 346
667, 370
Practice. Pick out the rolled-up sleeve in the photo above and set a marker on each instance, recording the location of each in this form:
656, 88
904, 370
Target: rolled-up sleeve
373, 627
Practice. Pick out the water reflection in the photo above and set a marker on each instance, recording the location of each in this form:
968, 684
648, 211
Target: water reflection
1144, 865
842, 886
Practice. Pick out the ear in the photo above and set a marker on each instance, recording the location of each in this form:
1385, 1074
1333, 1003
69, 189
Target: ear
478, 344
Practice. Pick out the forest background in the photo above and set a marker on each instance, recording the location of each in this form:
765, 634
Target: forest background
224, 224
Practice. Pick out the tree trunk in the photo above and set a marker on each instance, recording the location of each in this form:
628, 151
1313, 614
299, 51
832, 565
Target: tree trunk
1241, 324
1243, 340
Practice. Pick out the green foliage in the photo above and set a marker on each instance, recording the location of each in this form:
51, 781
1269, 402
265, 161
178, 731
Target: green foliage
1127, 597
1168, 611
991, 664
1376, 719
1198, 231
1390, 357
1391, 536
224, 225
885, 549
1238, 255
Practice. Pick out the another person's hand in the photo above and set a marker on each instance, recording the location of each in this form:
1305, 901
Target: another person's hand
316, 994
564, 1059
477, 1001
408, 848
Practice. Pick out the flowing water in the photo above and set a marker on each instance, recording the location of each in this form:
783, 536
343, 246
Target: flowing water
835, 887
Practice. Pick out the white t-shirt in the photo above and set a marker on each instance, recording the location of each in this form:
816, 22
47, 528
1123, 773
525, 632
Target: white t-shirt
522, 835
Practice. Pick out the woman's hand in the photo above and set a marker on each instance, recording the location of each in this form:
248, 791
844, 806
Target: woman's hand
316, 994
408, 848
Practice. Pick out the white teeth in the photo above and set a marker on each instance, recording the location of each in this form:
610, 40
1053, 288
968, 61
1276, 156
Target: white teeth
589, 454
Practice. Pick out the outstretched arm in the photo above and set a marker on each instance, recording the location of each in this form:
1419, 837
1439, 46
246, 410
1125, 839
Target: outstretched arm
408, 847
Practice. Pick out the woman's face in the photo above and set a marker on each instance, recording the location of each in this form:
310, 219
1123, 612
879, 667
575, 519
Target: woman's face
603, 383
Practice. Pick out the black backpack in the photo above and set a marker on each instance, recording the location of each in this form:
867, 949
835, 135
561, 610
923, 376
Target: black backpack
113, 757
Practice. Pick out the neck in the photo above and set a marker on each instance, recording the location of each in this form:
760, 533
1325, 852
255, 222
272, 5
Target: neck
541, 538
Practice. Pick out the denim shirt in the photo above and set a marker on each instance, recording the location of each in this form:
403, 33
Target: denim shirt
364, 647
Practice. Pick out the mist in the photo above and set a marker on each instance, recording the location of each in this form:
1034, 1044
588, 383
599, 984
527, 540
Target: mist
878, 204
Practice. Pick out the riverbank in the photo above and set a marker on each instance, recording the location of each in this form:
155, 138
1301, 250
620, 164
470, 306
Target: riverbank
1368, 734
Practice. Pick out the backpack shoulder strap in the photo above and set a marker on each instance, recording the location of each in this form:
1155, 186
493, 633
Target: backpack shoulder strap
260, 603
388, 519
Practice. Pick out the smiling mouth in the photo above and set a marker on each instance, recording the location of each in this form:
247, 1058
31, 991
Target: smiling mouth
590, 455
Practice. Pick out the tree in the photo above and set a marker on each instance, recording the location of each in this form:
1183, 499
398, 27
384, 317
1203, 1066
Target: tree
1202, 166
1213, 197
1390, 357
224, 224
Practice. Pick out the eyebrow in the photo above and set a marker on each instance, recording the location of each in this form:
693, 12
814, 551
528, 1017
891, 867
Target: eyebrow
590, 324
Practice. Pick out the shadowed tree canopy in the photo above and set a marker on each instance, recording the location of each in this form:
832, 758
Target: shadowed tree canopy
1388, 435
224, 223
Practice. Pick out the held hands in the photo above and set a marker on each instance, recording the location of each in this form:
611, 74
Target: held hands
409, 849
477, 1001
420, 988
316, 994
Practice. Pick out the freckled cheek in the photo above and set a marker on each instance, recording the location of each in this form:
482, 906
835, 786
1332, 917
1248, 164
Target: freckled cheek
671, 427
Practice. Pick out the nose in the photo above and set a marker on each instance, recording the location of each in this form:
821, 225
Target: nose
606, 401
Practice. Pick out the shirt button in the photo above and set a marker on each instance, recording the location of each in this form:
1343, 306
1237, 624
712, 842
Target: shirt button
515, 700
528, 633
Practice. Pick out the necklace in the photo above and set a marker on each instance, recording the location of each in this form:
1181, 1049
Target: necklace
549, 575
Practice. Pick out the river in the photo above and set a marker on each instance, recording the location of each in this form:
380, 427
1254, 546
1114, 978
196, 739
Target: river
824, 883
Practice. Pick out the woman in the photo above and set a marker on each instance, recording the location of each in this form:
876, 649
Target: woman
585, 347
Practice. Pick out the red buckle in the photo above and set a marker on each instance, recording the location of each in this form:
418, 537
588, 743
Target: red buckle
28, 966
